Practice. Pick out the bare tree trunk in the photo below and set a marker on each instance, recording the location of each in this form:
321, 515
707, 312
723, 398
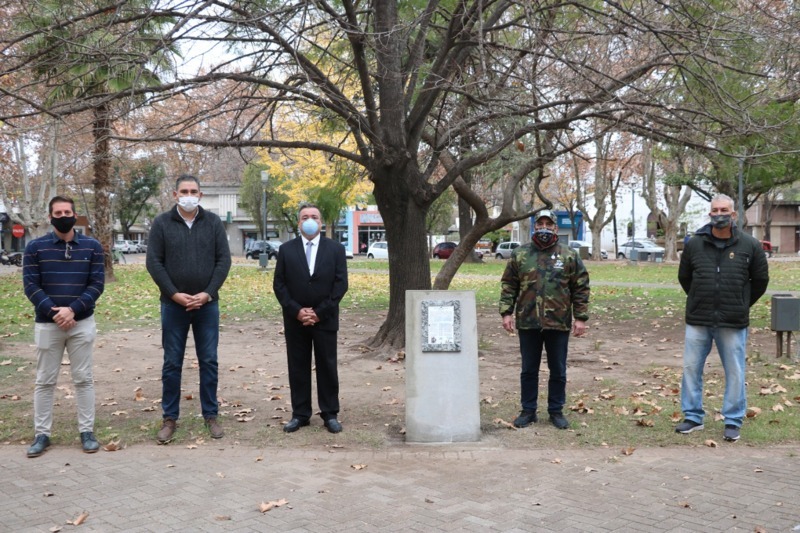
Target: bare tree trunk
409, 267
101, 130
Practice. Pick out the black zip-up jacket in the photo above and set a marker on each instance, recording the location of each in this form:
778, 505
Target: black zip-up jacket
722, 279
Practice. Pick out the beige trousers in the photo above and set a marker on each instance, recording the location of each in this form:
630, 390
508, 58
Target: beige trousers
50, 344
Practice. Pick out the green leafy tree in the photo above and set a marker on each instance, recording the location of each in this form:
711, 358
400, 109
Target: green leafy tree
133, 194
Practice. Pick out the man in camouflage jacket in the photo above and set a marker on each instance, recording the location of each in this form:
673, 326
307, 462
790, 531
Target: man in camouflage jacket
545, 285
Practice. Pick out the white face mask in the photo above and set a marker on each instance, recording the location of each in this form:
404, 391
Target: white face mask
188, 203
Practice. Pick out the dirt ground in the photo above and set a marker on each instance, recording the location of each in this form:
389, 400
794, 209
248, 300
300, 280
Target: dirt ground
254, 393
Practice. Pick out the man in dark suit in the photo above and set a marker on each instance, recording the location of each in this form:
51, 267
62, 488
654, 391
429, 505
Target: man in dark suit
310, 281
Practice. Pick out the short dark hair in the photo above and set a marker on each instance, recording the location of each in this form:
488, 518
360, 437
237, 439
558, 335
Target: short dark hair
59, 199
186, 177
308, 205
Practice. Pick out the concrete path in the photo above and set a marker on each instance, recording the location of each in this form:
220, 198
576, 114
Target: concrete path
219, 486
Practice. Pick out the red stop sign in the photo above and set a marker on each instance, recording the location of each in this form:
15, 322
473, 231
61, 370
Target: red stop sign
18, 231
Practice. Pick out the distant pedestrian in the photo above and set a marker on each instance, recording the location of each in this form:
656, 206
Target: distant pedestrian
545, 285
310, 281
723, 272
188, 258
63, 276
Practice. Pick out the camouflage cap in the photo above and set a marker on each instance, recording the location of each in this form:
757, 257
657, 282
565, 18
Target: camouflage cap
545, 213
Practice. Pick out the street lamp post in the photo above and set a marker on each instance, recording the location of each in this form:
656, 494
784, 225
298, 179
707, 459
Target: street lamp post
264, 181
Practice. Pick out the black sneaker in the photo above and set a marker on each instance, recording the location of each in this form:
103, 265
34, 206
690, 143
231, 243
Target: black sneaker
89, 443
525, 419
559, 420
40, 444
731, 433
687, 426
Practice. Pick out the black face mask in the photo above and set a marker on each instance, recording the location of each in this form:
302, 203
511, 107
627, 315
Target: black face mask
63, 224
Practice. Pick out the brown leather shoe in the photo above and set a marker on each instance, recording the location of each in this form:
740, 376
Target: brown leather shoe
167, 431
214, 428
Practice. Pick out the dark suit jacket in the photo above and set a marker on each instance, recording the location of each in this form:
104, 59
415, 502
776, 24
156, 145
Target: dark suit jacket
323, 290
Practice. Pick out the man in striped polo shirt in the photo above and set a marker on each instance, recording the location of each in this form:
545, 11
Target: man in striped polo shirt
63, 276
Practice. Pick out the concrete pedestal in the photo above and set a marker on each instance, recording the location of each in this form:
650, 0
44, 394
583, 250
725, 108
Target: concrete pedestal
442, 382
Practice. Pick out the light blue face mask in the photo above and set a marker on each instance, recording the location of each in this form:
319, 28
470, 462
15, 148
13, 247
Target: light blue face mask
309, 227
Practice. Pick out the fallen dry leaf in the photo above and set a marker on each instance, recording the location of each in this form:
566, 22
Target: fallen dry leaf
54, 529
777, 407
753, 412
80, 519
687, 505
628, 451
589, 469
191, 446
112, 446
358, 467
556, 461
221, 517
268, 506
501, 422
710, 443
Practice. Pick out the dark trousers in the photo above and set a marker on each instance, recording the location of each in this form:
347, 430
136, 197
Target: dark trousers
556, 344
175, 324
301, 341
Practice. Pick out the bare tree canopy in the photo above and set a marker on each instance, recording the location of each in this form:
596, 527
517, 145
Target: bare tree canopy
492, 89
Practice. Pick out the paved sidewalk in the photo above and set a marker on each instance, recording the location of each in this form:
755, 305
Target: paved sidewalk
458, 487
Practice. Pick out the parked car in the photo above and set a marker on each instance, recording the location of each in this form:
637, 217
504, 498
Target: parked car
578, 244
767, 247
260, 247
640, 245
378, 250
141, 247
125, 247
504, 249
444, 250
276, 245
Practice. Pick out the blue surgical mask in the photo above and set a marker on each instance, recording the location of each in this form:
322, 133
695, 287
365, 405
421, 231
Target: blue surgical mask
309, 227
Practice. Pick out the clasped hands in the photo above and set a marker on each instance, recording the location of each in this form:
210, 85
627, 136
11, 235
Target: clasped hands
191, 301
64, 318
307, 316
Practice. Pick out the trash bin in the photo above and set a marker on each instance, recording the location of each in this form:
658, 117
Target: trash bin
644, 256
263, 259
785, 313
658, 257
583, 252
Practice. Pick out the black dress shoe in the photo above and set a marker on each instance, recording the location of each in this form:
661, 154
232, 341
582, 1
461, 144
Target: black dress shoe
333, 425
294, 424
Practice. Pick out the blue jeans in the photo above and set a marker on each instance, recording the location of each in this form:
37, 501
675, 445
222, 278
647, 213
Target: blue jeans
731, 344
175, 324
530, 346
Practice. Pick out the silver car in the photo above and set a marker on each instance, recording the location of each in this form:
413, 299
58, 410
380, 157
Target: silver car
578, 244
641, 246
504, 249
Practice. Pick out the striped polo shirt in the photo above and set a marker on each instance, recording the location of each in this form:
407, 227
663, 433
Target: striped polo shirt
60, 274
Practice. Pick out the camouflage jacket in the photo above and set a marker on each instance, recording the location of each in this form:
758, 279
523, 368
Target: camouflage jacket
545, 288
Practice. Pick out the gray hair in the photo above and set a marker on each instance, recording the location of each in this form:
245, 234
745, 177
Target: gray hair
725, 198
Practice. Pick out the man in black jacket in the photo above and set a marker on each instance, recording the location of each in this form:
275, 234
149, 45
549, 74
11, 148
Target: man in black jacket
188, 258
723, 272
310, 281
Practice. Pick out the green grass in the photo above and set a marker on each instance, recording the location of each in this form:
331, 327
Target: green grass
247, 294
